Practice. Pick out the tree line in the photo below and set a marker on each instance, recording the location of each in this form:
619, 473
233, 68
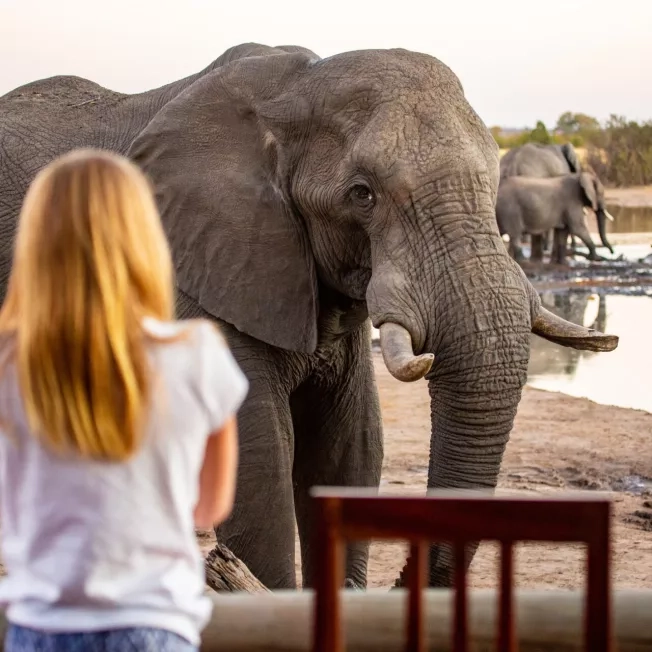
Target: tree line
619, 151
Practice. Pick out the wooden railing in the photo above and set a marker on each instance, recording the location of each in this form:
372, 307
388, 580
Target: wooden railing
343, 515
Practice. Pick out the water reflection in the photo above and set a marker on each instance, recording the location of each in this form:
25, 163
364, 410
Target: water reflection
620, 377
630, 219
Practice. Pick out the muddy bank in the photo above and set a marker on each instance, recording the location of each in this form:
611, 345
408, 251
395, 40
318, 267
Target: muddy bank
619, 274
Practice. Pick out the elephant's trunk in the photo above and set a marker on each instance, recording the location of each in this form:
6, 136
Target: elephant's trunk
473, 405
602, 215
470, 430
479, 334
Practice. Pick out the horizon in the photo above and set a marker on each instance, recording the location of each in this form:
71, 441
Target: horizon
512, 76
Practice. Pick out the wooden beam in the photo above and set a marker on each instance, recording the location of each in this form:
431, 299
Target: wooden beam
546, 621
375, 621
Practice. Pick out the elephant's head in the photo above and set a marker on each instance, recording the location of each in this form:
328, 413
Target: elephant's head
370, 174
593, 193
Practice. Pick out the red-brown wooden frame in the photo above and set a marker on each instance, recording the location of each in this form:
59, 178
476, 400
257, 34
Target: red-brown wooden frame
344, 514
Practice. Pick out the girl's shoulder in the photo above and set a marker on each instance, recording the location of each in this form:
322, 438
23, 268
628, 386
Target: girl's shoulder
194, 332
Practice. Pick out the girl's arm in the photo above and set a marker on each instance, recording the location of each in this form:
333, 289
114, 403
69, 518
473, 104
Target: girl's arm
218, 476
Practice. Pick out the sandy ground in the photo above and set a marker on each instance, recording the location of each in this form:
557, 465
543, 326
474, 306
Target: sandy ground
634, 196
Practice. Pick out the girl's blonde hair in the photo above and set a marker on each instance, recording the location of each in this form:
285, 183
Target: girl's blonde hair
91, 261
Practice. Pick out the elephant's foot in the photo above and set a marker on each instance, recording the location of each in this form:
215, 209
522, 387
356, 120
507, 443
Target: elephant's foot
519, 256
592, 256
536, 251
351, 585
598, 258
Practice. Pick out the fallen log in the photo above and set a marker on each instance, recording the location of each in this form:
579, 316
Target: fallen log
226, 573
546, 621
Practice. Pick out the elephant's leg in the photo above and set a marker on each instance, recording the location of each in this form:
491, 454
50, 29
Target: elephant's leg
559, 246
573, 244
516, 251
514, 244
545, 241
536, 252
583, 234
261, 528
338, 440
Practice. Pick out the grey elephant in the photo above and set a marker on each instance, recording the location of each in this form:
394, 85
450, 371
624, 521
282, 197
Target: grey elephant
536, 160
302, 196
536, 205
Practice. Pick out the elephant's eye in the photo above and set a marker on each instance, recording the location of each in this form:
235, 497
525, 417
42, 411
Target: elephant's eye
363, 196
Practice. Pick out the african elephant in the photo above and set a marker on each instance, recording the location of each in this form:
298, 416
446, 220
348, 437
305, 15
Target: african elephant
536, 205
535, 160
302, 196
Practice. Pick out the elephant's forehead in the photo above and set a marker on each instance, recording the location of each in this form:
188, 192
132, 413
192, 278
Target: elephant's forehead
403, 142
395, 67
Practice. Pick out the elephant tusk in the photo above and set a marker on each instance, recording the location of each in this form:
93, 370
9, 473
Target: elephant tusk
396, 345
554, 328
609, 216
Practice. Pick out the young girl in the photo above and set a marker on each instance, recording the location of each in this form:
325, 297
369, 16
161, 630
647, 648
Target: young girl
118, 433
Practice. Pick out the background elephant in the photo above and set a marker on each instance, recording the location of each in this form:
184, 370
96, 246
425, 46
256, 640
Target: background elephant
301, 196
535, 160
536, 205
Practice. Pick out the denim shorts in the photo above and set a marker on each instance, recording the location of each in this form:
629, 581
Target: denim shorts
140, 639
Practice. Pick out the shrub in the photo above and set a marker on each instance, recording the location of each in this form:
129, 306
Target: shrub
621, 153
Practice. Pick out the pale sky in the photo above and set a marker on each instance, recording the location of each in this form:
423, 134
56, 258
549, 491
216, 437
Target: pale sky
519, 60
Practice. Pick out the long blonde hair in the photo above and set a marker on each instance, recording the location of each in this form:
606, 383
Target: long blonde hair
91, 261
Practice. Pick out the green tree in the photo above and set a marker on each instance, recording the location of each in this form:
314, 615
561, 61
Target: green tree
497, 133
576, 123
540, 134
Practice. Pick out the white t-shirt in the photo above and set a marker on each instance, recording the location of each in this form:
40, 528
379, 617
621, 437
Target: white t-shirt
92, 546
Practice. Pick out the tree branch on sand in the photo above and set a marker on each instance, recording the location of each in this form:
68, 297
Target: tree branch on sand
226, 573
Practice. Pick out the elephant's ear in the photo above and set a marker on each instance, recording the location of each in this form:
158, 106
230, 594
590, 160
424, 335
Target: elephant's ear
590, 191
218, 165
571, 157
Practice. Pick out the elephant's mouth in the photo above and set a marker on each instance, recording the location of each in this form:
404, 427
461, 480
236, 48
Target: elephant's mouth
354, 282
